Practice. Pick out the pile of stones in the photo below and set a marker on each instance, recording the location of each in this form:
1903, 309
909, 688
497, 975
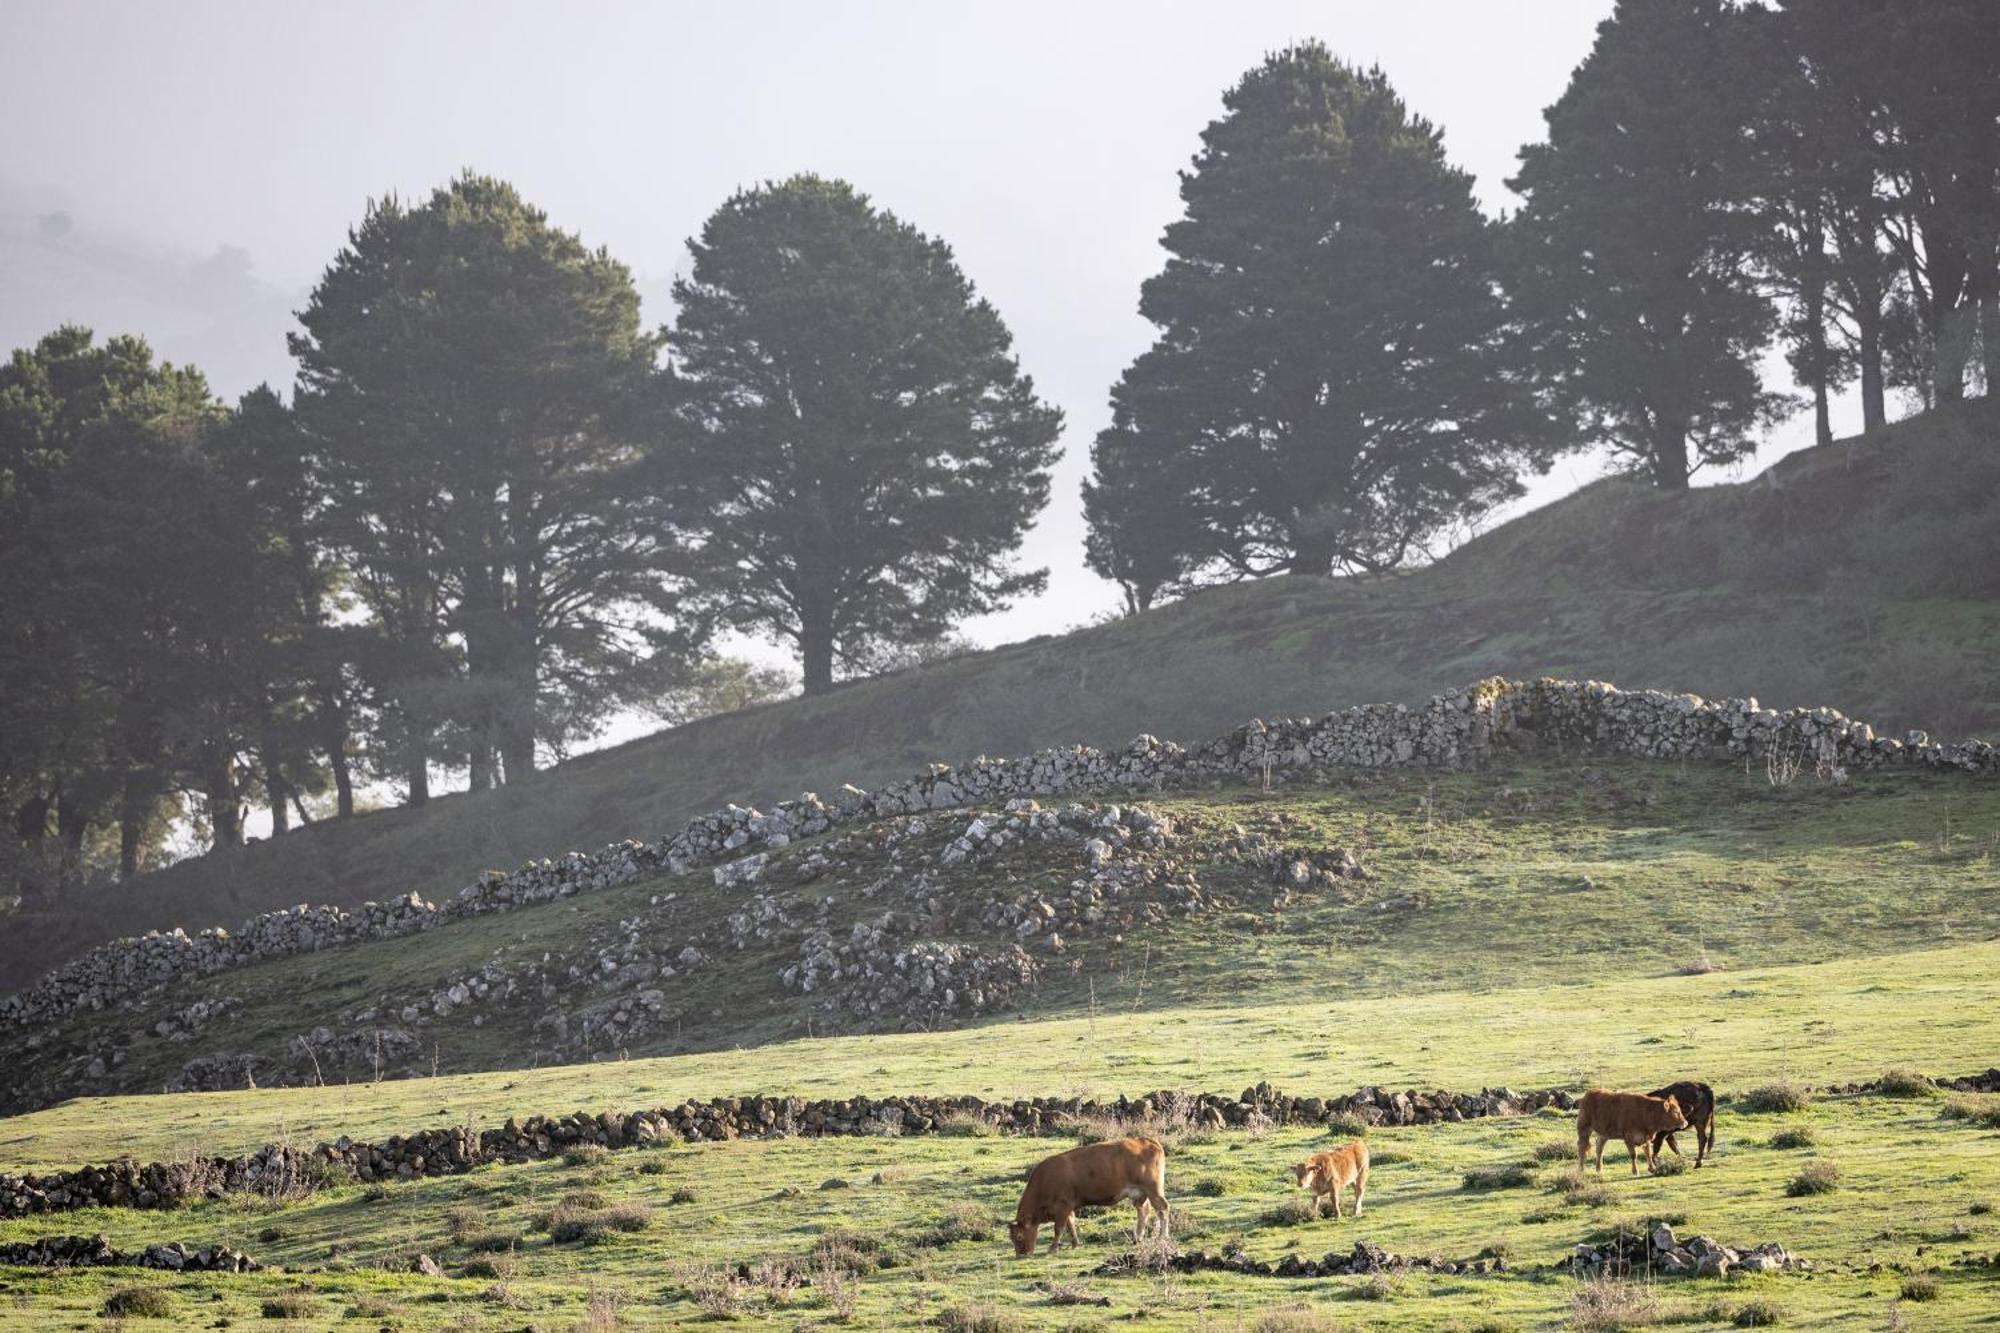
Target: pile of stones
1453, 730
96, 1252
1659, 1252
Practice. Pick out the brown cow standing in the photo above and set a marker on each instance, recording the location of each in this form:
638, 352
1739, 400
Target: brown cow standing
1631, 1116
1090, 1176
1697, 1103
1329, 1173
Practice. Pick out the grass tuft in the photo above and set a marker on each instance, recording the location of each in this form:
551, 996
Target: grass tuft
1514, 1175
1797, 1136
1904, 1083
1922, 1287
139, 1303
1773, 1098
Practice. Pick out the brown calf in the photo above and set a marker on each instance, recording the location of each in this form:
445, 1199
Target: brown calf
1327, 1174
1093, 1175
1631, 1116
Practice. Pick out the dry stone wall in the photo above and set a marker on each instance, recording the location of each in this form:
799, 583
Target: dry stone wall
283, 1170
1453, 730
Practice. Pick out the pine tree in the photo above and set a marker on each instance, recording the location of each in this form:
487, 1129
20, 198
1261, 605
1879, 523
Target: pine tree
866, 451
1330, 388
1635, 252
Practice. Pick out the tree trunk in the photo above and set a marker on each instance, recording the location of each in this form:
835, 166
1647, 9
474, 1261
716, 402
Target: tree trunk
816, 652
1874, 400
479, 767
72, 826
274, 792
225, 817
1670, 457
417, 765
1822, 413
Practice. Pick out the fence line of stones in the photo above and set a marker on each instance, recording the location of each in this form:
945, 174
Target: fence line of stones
98, 1252
282, 1170
1453, 730
286, 1170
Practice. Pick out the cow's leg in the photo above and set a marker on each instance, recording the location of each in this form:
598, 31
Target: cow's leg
1582, 1147
1334, 1194
1162, 1219
1069, 1225
1360, 1188
1602, 1139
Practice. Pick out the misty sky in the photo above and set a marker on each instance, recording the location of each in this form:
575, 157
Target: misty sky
185, 171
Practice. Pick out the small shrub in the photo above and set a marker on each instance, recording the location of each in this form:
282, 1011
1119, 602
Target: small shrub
1757, 1314
583, 1199
1295, 1319
1904, 1083
371, 1305
1217, 1187
1798, 1136
1555, 1150
1700, 965
1064, 1292
1345, 1125
836, 1183
576, 1227
983, 1317
849, 1251
963, 1220
1608, 1305
1514, 1175
685, 1194
492, 1242
1979, 1207
587, 1154
1294, 1211
652, 1166
1388, 1157
1922, 1287
139, 1303
1378, 1287
965, 1125
1819, 1176
1772, 1098
288, 1305
274, 1235
1670, 1166
484, 1268
1983, 1111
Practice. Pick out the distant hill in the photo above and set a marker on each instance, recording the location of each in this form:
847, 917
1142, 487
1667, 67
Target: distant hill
1865, 575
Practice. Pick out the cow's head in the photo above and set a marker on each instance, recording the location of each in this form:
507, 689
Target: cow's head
1302, 1172
1675, 1118
1023, 1236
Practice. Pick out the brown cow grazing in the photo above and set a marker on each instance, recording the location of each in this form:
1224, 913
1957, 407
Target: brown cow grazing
1697, 1103
1328, 1173
1631, 1116
1090, 1176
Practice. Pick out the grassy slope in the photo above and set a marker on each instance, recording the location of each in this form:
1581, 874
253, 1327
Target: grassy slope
1862, 575
1534, 873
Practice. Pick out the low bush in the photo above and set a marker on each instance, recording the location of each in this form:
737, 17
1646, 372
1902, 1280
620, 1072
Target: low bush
982, 1317
963, 1220
587, 1154
1798, 1136
1818, 1176
1217, 1187
1555, 1150
685, 1194
1976, 1109
652, 1166
1294, 1211
1670, 1166
1922, 1287
1345, 1125
1772, 1098
1904, 1083
139, 1303
1513, 1175
965, 1125
1757, 1314
1610, 1305
288, 1305
492, 1242
1295, 1319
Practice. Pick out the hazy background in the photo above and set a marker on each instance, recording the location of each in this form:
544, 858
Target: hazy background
186, 171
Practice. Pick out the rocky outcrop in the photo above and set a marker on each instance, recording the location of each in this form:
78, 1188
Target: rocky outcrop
1453, 730
1364, 1258
96, 1252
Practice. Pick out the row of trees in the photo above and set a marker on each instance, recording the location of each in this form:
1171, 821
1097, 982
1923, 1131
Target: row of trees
496, 511
1353, 361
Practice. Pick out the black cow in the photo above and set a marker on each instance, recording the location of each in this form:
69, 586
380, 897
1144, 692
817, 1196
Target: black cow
1697, 1101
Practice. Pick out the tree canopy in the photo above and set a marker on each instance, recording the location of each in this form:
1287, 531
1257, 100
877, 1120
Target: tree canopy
1331, 386
866, 451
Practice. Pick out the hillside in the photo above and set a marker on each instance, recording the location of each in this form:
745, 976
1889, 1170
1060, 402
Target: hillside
1867, 573
1358, 886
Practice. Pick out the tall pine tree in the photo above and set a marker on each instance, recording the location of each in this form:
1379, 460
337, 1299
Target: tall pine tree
867, 450
1331, 387
1636, 250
